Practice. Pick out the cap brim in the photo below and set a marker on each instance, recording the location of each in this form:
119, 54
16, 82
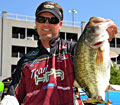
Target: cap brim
51, 11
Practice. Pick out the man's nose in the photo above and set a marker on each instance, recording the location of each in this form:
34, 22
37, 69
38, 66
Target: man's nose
47, 22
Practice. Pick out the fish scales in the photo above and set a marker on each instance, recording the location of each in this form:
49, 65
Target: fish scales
91, 76
88, 70
88, 74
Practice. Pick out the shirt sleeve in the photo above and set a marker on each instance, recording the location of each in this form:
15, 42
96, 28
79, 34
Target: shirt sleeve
20, 90
17, 85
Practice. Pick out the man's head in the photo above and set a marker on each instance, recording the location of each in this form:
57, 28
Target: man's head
52, 7
49, 16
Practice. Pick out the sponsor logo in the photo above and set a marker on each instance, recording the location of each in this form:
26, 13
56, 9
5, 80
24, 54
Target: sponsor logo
62, 47
33, 53
26, 59
32, 63
33, 93
49, 6
50, 85
46, 76
63, 88
61, 58
39, 71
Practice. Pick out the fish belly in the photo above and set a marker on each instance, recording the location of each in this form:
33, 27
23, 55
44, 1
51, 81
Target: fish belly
93, 78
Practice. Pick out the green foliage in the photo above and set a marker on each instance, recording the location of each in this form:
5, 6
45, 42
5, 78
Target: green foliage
115, 75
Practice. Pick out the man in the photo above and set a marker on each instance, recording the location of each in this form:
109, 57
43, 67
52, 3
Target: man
45, 75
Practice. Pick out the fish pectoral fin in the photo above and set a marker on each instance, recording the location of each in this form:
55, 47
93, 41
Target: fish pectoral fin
100, 56
113, 54
76, 84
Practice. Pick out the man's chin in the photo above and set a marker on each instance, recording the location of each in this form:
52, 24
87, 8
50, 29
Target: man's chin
48, 38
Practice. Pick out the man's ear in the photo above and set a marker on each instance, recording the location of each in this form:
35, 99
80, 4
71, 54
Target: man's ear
61, 23
35, 21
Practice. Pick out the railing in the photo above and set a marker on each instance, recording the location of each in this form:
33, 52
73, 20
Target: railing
20, 17
71, 23
32, 18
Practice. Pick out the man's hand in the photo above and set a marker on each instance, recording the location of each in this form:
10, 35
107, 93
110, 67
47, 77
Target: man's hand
112, 30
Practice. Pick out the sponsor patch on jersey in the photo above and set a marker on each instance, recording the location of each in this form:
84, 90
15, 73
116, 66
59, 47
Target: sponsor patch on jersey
50, 85
61, 58
32, 53
33, 93
62, 47
45, 78
63, 88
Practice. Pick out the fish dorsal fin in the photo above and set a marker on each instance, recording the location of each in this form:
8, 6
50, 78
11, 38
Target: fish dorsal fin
113, 54
100, 56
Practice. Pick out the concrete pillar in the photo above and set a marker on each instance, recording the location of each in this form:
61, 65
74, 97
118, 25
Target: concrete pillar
5, 41
82, 26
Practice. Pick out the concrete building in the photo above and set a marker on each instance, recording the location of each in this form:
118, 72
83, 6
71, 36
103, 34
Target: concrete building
17, 37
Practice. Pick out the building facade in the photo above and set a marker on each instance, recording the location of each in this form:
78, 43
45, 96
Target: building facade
18, 36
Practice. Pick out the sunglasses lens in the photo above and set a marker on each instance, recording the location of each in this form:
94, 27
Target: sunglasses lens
53, 20
41, 19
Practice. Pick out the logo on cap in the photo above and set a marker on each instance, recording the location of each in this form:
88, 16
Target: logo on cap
49, 6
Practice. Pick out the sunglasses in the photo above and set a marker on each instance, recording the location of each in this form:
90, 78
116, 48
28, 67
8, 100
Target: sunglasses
51, 20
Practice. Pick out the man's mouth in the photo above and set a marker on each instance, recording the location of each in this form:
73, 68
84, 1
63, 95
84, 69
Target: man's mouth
46, 29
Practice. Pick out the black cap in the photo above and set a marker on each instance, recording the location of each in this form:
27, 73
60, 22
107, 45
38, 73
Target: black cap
48, 8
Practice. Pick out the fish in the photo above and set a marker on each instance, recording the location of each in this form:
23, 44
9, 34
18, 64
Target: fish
92, 58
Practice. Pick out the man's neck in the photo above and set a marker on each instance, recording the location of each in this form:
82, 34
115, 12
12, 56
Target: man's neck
45, 44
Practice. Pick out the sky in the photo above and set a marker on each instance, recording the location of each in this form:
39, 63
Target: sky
108, 9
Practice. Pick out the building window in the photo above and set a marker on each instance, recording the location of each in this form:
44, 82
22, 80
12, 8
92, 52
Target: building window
118, 59
24, 33
18, 51
112, 43
71, 36
62, 35
113, 59
32, 34
18, 32
118, 42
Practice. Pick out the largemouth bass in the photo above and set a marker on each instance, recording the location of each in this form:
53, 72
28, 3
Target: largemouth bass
93, 62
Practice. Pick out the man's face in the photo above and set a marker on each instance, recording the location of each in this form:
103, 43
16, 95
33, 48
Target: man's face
46, 30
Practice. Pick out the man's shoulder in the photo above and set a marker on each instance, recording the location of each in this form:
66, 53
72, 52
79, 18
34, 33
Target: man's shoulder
70, 45
32, 54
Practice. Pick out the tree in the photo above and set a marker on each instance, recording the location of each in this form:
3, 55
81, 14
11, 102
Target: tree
115, 75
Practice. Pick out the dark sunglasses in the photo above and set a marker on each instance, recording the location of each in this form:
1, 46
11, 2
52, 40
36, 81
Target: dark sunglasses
51, 20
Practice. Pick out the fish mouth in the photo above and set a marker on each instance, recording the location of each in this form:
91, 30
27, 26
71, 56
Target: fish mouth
98, 43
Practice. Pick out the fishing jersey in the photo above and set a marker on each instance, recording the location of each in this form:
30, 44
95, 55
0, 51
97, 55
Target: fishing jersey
46, 78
